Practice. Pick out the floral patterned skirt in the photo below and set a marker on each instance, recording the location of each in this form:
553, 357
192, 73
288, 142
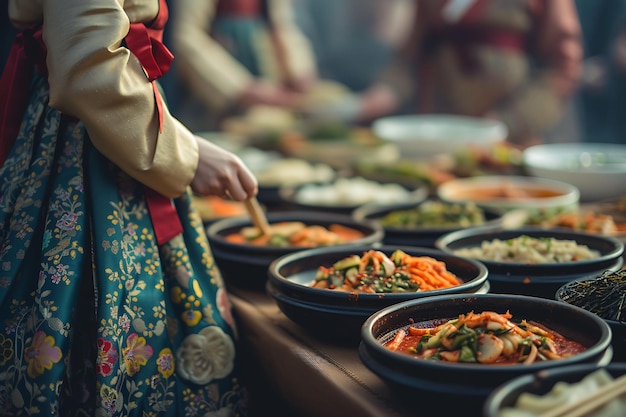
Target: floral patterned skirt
96, 319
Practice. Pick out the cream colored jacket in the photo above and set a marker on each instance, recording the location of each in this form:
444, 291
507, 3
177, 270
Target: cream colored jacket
215, 76
95, 79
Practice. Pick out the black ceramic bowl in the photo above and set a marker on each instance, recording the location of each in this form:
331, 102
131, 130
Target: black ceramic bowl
345, 194
618, 327
470, 383
338, 314
245, 265
422, 236
540, 280
540, 383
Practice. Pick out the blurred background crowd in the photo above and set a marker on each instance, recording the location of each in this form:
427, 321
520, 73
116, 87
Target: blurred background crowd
552, 71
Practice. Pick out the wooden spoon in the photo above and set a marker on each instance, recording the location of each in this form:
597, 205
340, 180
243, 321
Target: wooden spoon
258, 215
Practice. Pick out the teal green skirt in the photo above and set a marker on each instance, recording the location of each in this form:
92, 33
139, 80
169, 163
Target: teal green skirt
96, 318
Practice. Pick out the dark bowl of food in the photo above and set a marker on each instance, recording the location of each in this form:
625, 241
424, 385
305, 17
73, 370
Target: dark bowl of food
541, 392
535, 261
463, 346
421, 223
345, 194
243, 253
331, 291
604, 295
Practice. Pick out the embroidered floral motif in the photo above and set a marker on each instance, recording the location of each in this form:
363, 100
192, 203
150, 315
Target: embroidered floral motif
41, 354
107, 357
166, 363
6, 349
206, 356
136, 354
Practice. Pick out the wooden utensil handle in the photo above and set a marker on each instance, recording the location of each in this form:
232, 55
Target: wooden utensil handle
257, 215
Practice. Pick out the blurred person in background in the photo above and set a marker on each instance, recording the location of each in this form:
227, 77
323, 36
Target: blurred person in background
354, 40
235, 54
600, 98
518, 61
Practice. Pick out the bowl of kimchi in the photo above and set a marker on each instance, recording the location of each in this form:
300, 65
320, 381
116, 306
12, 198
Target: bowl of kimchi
331, 291
243, 253
468, 344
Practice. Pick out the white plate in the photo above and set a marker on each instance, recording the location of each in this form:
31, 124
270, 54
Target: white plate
421, 136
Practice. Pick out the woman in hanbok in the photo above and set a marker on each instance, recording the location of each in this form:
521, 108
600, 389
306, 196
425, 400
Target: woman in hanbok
110, 300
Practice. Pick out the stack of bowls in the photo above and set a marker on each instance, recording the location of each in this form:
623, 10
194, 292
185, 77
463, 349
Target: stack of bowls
436, 382
339, 315
539, 279
245, 265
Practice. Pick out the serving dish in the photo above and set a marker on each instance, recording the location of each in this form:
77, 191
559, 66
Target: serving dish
340, 314
245, 264
415, 223
598, 170
345, 194
426, 135
541, 280
469, 384
508, 192
602, 295
540, 383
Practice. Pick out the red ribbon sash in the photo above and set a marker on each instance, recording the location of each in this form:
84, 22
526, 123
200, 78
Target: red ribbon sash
145, 43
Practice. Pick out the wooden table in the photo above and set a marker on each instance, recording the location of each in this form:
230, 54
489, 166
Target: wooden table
293, 373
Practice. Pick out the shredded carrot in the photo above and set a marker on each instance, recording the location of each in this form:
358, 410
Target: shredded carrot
371, 273
431, 272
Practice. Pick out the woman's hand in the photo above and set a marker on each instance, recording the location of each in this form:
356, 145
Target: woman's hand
222, 173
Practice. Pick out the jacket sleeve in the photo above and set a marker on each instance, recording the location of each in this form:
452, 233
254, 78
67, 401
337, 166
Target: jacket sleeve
94, 78
213, 75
